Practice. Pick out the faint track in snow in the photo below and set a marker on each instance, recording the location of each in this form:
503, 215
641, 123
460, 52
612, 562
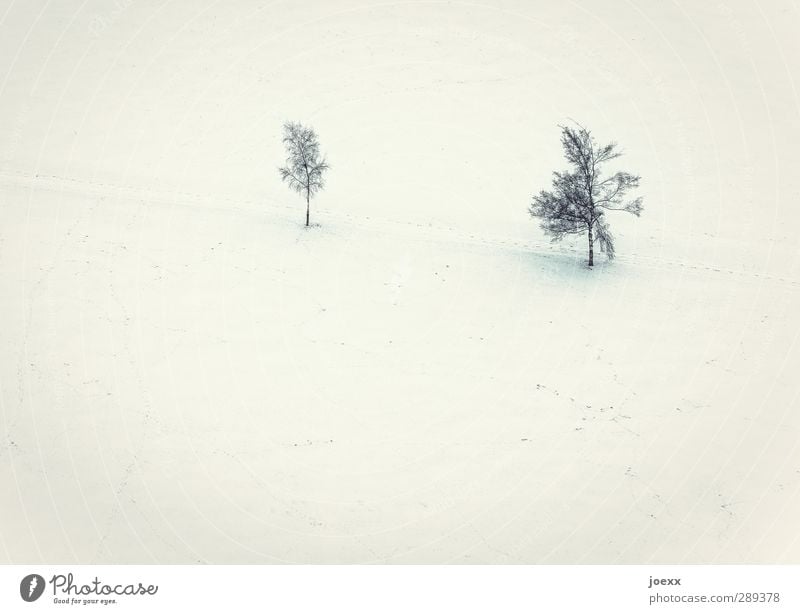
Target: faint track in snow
424, 231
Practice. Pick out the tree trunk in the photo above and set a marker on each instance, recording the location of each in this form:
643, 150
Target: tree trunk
591, 247
308, 208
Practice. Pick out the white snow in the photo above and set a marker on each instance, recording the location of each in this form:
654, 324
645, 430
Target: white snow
189, 375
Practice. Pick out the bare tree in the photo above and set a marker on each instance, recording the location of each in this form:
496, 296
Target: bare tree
305, 168
581, 197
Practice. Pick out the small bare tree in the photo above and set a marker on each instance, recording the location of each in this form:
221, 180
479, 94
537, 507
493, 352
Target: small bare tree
581, 197
305, 167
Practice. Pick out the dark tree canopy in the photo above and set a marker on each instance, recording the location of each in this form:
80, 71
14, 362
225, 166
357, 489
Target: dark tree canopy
305, 167
581, 196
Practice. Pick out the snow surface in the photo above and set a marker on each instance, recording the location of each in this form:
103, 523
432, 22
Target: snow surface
189, 375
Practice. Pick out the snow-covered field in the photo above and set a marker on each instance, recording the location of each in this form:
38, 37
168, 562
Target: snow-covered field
187, 374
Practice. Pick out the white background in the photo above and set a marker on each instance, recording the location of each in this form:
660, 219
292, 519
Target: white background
419, 588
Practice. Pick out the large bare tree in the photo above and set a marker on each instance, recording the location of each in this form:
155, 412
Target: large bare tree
581, 196
305, 166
